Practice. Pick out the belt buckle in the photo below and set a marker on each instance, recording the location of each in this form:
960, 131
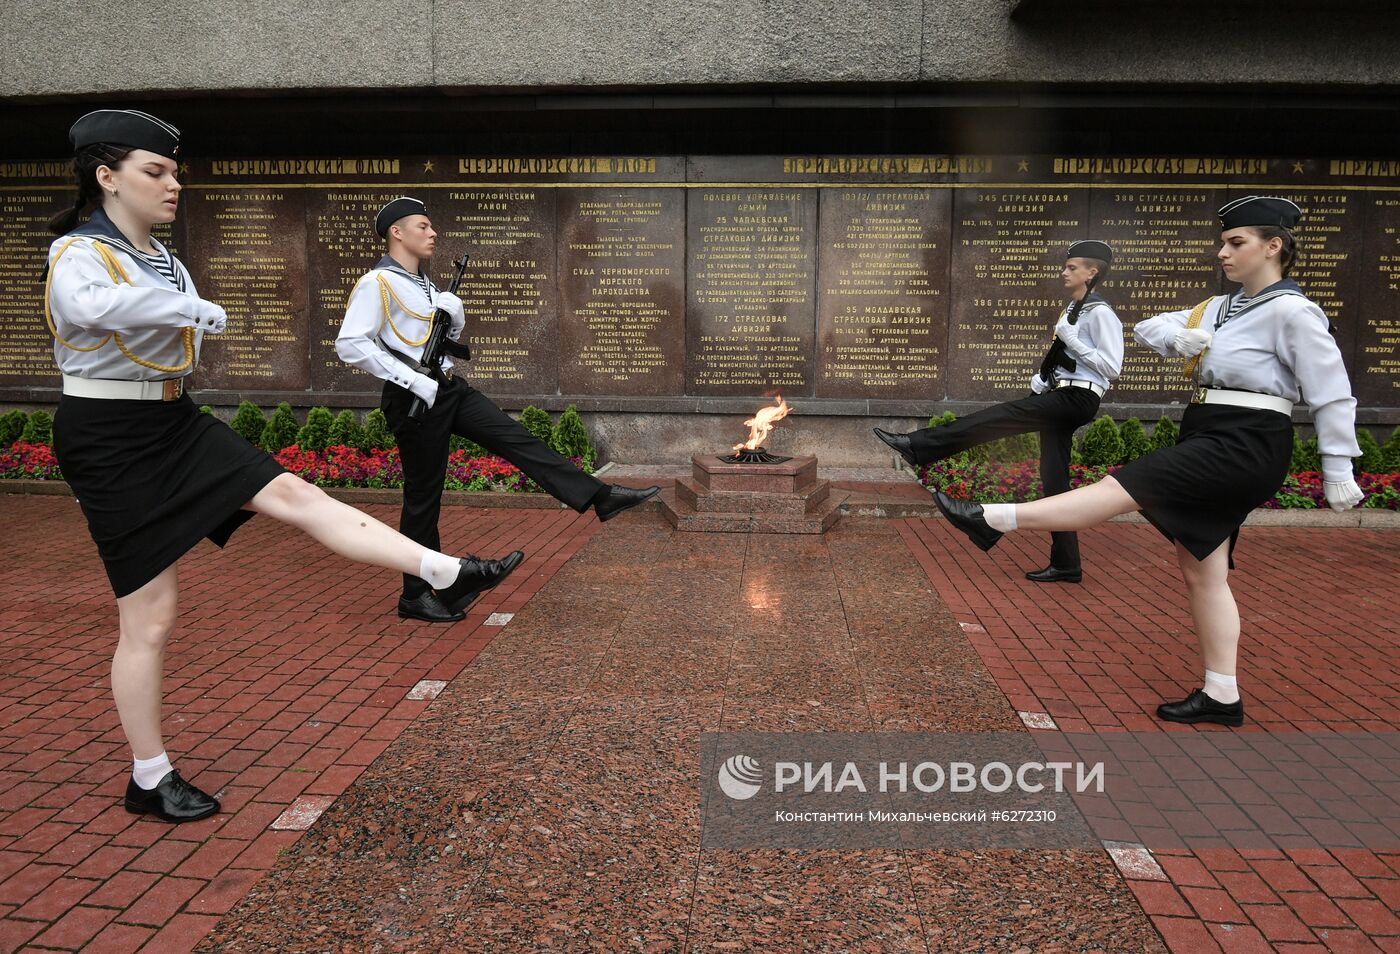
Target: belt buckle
1200, 396
172, 389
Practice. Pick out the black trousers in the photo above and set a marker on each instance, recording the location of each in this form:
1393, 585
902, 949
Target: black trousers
423, 445
1055, 415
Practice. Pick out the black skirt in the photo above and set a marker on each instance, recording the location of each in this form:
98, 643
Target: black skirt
153, 477
1227, 461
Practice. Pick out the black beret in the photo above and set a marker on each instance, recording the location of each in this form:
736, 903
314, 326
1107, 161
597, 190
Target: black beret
395, 210
1091, 249
126, 127
1259, 210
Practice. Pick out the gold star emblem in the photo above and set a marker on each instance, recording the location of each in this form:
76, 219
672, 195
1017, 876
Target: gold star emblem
1297, 167
428, 166
1023, 166
184, 168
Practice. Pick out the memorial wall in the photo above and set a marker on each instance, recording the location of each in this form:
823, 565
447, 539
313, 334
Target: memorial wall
852, 285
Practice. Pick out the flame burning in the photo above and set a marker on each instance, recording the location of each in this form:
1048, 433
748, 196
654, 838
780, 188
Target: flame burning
761, 423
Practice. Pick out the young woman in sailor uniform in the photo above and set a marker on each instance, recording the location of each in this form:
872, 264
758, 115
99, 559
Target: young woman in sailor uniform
151, 473
388, 320
1249, 355
1082, 364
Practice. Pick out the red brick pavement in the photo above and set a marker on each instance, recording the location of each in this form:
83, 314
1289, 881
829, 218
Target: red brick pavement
1320, 652
287, 676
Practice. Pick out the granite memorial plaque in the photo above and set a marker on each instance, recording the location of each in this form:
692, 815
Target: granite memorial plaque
882, 303
248, 253
509, 290
622, 291
1375, 372
30, 193
751, 323
1008, 250
1164, 242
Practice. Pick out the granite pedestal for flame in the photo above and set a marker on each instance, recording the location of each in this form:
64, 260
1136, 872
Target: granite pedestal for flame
753, 498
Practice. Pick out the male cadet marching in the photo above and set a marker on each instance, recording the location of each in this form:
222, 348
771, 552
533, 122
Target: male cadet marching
387, 322
1084, 360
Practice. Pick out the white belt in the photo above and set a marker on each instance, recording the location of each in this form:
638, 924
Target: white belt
1098, 389
169, 390
1261, 402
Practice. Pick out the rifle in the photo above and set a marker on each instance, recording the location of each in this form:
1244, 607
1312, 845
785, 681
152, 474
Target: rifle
439, 344
1056, 356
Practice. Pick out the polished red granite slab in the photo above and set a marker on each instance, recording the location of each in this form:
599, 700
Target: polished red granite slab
548, 798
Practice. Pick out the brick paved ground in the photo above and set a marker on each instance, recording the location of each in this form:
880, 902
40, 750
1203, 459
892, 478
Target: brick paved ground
288, 675
288, 678
1101, 656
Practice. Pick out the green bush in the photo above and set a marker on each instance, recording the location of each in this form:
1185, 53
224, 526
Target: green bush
1305, 456
345, 431
249, 423
1101, 446
570, 438
459, 443
1165, 434
281, 430
205, 409
315, 434
537, 421
1391, 450
12, 426
947, 417
377, 435
1017, 447
38, 429
1135, 440
1372, 459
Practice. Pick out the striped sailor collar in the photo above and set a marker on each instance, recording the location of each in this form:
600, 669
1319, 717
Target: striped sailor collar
1284, 286
100, 226
389, 263
1091, 299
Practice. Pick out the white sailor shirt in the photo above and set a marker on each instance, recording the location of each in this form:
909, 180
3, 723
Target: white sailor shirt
1276, 343
1100, 357
390, 308
100, 320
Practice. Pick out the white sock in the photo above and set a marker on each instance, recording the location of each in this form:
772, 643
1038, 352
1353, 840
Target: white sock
1222, 688
1000, 516
149, 772
439, 569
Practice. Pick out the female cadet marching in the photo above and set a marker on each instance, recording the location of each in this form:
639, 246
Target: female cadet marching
1248, 355
151, 473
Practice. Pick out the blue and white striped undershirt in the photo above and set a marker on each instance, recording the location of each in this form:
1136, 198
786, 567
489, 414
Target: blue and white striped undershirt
165, 264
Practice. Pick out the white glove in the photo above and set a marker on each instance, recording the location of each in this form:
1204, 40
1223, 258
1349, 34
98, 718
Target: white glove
1190, 342
425, 388
209, 316
451, 304
1342, 494
1039, 385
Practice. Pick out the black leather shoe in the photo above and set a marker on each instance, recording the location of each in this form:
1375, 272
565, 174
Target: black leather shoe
1053, 574
901, 444
620, 499
1199, 707
475, 577
173, 800
427, 607
967, 517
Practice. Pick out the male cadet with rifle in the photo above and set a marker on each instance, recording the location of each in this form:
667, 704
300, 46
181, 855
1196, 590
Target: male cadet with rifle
1084, 359
389, 323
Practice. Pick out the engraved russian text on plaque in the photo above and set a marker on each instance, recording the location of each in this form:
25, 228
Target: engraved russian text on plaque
752, 263
1008, 251
883, 311
622, 291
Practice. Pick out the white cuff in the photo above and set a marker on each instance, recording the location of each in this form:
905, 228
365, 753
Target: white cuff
1336, 468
